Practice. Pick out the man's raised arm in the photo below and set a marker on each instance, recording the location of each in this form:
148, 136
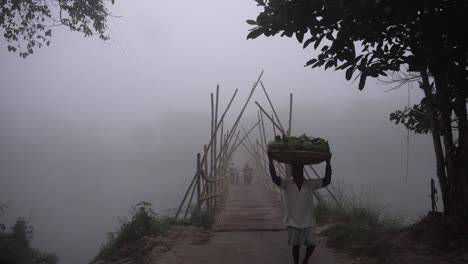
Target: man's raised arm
328, 172
274, 177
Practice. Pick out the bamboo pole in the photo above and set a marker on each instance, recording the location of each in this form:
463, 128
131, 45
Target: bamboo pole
199, 167
215, 173
193, 190
274, 128
212, 149
219, 124
290, 112
205, 165
252, 145
264, 143
262, 139
185, 195
261, 134
247, 134
273, 108
220, 173
263, 129
272, 121
236, 123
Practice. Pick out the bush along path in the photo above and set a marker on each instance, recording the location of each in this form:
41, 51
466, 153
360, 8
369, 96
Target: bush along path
147, 232
367, 234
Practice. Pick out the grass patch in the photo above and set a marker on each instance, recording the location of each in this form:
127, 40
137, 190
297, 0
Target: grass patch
15, 245
355, 223
145, 222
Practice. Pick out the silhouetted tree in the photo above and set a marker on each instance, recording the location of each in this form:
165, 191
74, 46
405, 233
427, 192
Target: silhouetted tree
381, 37
27, 24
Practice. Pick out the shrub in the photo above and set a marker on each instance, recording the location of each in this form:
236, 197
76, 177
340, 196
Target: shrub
356, 222
15, 246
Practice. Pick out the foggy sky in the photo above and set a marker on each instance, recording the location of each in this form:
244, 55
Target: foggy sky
90, 128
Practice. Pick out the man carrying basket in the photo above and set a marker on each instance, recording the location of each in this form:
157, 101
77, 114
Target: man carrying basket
300, 217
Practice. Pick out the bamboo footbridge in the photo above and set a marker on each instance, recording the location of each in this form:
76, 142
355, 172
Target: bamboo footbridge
240, 207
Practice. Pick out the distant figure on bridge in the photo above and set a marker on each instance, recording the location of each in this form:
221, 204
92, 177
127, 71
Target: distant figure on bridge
300, 218
234, 174
247, 174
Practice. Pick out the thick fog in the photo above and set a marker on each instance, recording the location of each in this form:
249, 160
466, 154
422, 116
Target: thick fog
89, 128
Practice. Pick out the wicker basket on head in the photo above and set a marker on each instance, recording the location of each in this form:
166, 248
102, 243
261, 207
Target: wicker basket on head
302, 157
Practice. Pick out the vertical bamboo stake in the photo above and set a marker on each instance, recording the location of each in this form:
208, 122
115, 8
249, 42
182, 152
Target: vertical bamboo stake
288, 168
215, 175
221, 171
205, 164
199, 182
290, 112
209, 187
274, 128
262, 139
263, 129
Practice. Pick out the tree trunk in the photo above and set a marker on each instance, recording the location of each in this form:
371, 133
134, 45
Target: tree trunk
458, 195
435, 131
455, 164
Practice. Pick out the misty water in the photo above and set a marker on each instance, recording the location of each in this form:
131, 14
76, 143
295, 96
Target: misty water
90, 128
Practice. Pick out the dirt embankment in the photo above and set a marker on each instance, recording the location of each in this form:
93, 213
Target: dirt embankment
433, 240
149, 249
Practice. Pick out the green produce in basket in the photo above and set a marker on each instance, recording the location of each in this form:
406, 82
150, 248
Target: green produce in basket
294, 143
308, 145
297, 143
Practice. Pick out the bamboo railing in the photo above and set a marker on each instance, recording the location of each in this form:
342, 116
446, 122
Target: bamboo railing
210, 182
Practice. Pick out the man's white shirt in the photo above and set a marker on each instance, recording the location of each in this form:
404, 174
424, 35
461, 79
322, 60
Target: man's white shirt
300, 203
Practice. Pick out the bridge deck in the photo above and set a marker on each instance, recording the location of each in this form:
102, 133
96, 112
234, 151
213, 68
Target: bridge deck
248, 208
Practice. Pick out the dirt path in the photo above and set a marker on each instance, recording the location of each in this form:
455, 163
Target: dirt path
244, 247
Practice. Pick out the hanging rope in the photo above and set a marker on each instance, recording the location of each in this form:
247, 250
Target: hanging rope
407, 138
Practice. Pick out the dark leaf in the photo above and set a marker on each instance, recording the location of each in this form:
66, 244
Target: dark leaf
260, 2
307, 42
310, 62
317, 43
255, 33
300, 36
329, 64
362, 81
251, 22
349, 73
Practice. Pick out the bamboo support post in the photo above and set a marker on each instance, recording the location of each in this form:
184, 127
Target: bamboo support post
212, 157
186, 194
199, 167
290, 112
205, 165
215, 173
274, 111
272, 121
189, 204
